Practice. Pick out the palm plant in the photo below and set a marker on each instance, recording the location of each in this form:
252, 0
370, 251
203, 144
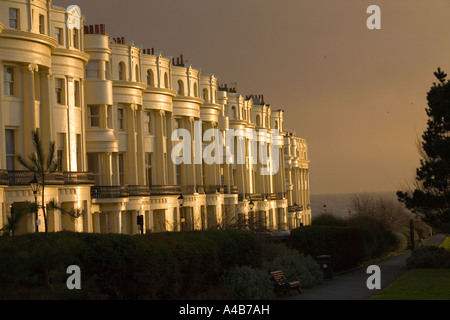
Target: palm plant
13, 220
41, 164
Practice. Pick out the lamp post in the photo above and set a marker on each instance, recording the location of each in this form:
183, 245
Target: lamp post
34, 184
252, 218
182, 218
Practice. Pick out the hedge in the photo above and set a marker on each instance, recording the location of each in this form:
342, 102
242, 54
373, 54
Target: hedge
160, 266
343, 244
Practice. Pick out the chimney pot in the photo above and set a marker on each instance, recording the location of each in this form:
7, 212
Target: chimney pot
122, 40
102, 29
153, 51
97, 29
91, 29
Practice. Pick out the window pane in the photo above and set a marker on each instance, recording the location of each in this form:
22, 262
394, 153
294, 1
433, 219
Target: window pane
14, 18
9, 81
92, 70
94, 115
41, 24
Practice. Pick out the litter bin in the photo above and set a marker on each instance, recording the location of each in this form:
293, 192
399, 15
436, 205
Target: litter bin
325, 264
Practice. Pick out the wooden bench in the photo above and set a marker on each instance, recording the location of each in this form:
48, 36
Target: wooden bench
282, 283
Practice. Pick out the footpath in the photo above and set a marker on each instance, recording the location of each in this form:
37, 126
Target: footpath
352, 285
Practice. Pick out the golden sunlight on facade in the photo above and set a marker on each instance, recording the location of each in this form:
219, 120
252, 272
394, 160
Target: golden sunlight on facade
112, 108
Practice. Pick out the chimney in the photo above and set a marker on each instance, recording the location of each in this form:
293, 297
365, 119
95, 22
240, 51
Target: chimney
86, 29
122, 40
102, 29
97, 29
182, 61
153, 51
173, 61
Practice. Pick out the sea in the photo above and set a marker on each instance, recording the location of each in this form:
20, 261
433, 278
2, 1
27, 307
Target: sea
341, 204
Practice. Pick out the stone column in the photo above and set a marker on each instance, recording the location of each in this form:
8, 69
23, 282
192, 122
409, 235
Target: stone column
117, 221
140, 148
46, 107
29, 112
132, 150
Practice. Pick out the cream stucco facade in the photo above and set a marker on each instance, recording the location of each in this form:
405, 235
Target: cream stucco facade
112, 108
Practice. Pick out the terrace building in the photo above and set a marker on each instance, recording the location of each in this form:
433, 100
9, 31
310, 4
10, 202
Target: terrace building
114, 110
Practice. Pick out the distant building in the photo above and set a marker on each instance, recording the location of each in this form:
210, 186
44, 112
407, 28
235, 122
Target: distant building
112, 107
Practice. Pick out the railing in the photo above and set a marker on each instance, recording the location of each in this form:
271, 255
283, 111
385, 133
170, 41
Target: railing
4, 181
214, 189
109, 192
139, 191
295, 208
23, 178
233, 190
78, 178
192, 189
165, 190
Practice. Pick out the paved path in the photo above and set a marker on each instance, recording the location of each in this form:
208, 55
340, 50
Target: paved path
352, 285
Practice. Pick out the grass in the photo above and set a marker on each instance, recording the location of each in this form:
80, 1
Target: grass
419, 284
446, 244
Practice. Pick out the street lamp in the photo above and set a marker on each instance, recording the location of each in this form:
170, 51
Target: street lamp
34, 184
251, 218
182, 218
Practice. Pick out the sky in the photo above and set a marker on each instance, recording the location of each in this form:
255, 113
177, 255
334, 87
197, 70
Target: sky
358, 96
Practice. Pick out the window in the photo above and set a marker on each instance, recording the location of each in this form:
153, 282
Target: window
150, 78
122, 71
94, 116
233, 112
41, 24
205, 95
79, 154
195, 90
137, 75
92, 70
120, 119
60, 151
94, 167
59, 35
180, 88
9, 81
109, 118
276, 124
148, 168
76, 38
77, 93
121, 170
14, 18
166, 81
107, 71
258, 120
60, 91
178, 174
10, 150
148, 122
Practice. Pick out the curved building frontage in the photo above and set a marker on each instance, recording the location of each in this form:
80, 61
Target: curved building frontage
138, 136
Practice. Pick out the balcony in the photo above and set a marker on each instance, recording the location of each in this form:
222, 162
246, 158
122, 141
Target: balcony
214, 189
165, 190
109, 192
23, 178
78, 178
4, 181
233, 190
192, 189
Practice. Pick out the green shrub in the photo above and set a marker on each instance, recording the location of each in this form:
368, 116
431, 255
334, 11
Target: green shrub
247, 283
429, 257
295, 266
400, 242
328, 219
377, 238
343, 244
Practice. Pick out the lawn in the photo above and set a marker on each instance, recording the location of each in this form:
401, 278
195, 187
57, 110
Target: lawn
446, 244
419, 284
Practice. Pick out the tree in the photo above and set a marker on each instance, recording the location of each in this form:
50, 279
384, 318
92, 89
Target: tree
430, 196
41, 165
